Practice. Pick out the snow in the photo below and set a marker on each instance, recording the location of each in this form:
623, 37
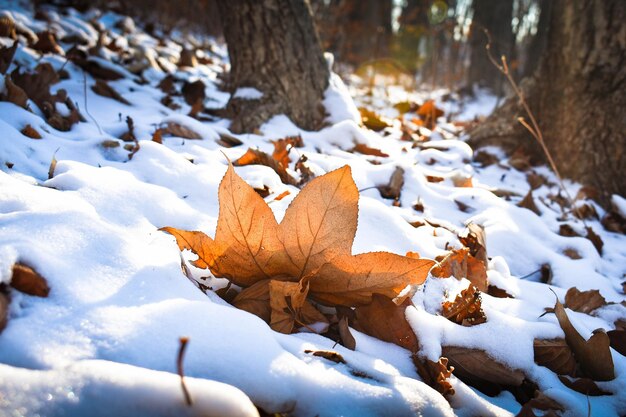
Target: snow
248, 93
104, 342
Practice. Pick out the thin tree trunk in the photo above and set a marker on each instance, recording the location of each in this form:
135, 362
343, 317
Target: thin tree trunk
578, 96
495, 16
273, 47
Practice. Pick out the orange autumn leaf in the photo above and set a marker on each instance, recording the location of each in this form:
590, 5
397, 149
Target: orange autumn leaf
466, 308
367, 150
312, 245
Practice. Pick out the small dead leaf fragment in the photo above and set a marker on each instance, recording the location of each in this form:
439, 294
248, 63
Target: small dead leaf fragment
618, 340
180, 131
263, 192
25, 279
593, 355
371, 120
367, 150
584, 301
385, 320
474, 365
432, 178
466, 308
14, 94
429, 113
194, 93
257, 157
462, 181
282, 148
435, 374
157, 136
327, 354
529, 203
543, 403
394, 188
47, 43
30, 132
53, 165
555, 355
535, 180
282, 195
572, 253
567, 231
595, 239
585, 386
485, 158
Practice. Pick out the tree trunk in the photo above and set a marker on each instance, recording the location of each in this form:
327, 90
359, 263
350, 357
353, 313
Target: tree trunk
495, 16
273, 47
578, 96
538, 42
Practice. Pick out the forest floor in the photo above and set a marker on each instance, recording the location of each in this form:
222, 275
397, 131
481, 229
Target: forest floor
81, 202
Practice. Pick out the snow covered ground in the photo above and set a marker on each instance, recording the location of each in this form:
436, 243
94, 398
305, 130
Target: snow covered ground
105, 340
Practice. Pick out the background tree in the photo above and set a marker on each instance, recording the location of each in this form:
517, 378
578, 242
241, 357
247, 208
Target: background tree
495, 16
578, 95
273, 46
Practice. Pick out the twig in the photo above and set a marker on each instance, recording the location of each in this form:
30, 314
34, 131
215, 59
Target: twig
85, 97
533, 128
179, 367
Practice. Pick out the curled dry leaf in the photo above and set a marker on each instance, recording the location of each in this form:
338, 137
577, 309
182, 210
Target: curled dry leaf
475, 239
347, 340
540, 402
47, 43
25, 279
474, 366
593, 355
306, 174
429, 113
327, 354
555, 355
256, 300
394, 188
583, 301
282, 148
257, 157
595, 239
157, 136
435, 374
14, 94
460, 264
466, 308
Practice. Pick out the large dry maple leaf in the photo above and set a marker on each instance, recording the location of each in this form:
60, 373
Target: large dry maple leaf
311, 246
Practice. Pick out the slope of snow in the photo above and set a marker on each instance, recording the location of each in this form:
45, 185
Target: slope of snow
104, 342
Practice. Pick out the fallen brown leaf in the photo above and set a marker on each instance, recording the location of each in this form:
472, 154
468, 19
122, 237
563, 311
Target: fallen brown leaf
282, 148
367, 150
157, 136
347, 340
475, 239
543, 403
496, 292
47, 43
593, 355
178, 130
435, 374
14, 94
583, 385
429, 113
102, 88
385, 320
25, 279
290, 307
529, 203
618, 340
371, 120
30, 132
6, 56
583, 301
474, 365
256, 300
595, 239
555, 355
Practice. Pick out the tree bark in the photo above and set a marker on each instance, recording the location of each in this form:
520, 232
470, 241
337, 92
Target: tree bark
273, 47
578, 96
495, 16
